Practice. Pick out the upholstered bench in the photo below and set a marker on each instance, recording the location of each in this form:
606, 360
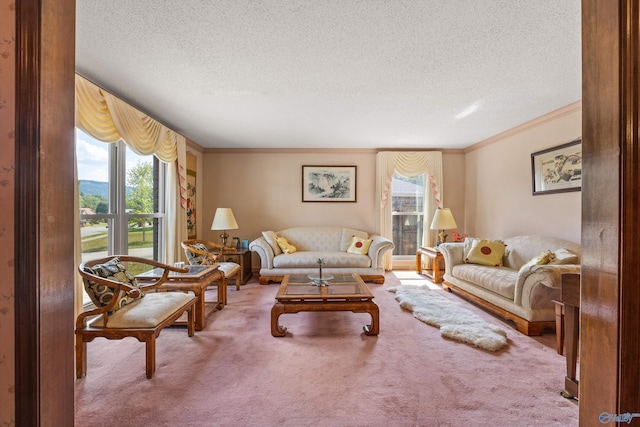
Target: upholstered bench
124, 310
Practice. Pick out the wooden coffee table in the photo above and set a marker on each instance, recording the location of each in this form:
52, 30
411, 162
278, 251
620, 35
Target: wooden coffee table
346, 292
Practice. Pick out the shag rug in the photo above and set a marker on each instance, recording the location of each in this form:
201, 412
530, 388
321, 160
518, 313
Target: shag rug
455, 322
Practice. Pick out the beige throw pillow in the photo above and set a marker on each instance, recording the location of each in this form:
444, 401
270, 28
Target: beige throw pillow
359, 245
272, 239
486, 252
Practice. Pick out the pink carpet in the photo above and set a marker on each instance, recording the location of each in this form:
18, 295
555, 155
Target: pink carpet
324, 372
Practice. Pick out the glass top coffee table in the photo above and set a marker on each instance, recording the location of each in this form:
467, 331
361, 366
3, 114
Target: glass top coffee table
345, 292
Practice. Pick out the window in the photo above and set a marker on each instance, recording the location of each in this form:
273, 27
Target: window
407, 214
121, 199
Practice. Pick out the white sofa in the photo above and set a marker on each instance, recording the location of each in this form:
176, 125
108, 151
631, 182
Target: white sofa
327, 242
519, 290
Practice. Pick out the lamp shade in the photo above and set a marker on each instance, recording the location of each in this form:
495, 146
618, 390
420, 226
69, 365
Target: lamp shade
224, 220
443, 220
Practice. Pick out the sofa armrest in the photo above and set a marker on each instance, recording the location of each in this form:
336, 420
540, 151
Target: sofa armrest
535, 280
453, 255
379, 246
262, 248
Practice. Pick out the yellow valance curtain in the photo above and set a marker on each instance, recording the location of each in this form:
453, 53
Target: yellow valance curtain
109, 119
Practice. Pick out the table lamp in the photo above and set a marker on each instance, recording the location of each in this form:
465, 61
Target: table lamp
443, 220
224, 220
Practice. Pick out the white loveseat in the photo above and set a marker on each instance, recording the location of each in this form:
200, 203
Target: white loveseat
519, 290
312, 243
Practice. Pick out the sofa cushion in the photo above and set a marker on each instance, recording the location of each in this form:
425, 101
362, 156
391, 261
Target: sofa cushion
286, 247
359, 245
347, 236
500, 280
272, 239
486, 252
332, 259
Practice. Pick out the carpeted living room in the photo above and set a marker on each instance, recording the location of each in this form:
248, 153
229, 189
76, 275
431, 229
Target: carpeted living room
326, 371
250, 99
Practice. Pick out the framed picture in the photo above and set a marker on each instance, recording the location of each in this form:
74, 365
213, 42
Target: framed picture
329, 183
557, 169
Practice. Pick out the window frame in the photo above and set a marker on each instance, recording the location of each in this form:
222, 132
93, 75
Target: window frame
118, 218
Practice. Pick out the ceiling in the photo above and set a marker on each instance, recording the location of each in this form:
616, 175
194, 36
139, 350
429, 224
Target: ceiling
392, 74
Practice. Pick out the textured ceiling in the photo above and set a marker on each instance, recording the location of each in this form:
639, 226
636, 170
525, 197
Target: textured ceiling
334, 73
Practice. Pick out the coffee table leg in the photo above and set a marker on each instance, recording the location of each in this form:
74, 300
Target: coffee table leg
276, 329
374, 311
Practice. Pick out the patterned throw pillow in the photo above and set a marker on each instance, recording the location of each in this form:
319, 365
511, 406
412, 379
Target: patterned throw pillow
544, 258
359, 245
565, 256
100, 294
486, 252
194, 258
286, 247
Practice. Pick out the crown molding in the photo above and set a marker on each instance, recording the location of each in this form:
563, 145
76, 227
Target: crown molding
539, 121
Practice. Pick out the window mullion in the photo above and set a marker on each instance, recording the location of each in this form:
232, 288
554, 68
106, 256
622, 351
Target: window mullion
119, 178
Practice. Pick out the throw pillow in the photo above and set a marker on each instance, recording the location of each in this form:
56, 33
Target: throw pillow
486, 252
272, 239
286, 247
468, 244
347, 235
195, 258
565, 256
359, 245
101, 294
543, 258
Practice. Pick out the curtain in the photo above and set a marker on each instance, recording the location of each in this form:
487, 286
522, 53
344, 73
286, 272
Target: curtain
409, 164
109, 119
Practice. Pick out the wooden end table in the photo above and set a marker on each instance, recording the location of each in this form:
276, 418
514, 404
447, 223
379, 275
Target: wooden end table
346, 292
438, 259
242, 257
199, 278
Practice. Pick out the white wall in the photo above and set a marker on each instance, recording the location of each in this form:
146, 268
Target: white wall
498, 192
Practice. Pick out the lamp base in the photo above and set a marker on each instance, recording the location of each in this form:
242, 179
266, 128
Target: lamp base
224, 236
442, 237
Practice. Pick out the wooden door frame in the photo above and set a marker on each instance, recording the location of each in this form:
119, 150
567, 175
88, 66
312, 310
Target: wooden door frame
610, 291
44, 224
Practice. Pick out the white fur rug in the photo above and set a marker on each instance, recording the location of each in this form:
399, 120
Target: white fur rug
455, 322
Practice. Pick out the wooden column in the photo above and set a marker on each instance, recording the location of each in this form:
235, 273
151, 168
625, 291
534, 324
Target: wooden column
610, 318
44, 227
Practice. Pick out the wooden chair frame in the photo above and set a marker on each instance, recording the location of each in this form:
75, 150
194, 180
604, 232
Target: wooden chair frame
86, 332
209, 257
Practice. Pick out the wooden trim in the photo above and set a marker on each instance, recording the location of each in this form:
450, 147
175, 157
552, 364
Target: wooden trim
522, 325
609, 316
44, 219
26, 205
539, 121
629, 350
